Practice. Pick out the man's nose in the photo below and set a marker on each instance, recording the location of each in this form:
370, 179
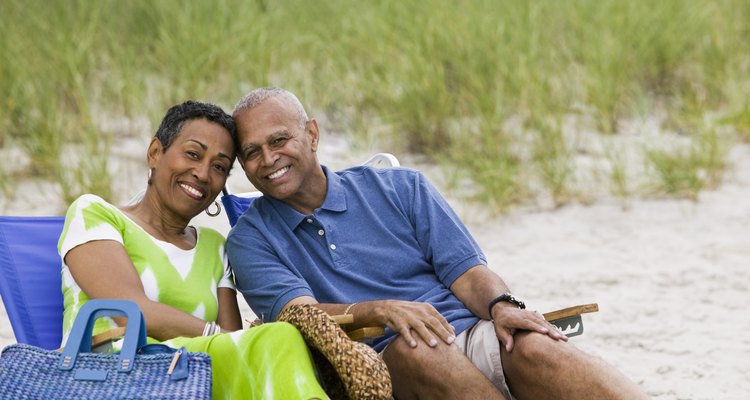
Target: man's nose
269, 156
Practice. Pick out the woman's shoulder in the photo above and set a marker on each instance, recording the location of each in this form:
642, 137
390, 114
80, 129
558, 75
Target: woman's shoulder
90, 210
88, 199
206, 234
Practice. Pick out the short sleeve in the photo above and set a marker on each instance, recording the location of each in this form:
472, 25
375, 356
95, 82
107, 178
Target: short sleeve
445, 240
227, 280
89, 218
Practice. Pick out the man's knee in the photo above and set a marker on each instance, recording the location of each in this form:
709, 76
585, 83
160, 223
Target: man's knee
421, 360
400, 354
443, 371
534, 348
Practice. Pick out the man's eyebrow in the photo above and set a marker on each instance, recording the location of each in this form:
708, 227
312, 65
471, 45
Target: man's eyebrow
252, 146
247, 147
274, 135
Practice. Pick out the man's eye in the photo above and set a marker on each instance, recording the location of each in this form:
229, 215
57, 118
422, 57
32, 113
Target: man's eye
279, 142
250, 154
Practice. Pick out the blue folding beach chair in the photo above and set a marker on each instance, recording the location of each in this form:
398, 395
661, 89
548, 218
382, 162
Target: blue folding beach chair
30, 279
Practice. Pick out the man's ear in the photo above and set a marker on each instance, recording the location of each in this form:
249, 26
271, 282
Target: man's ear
311, 128
154, 152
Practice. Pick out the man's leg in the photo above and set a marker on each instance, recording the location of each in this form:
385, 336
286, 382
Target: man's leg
542, 368
441, 372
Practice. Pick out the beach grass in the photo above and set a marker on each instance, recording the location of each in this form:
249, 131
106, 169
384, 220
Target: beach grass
484, 84
693, 167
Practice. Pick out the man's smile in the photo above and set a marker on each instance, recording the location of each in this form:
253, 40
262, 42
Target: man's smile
278, 173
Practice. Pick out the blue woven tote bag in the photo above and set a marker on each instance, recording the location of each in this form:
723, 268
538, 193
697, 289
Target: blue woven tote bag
138, 371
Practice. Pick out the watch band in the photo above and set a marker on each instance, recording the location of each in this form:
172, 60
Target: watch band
505, 297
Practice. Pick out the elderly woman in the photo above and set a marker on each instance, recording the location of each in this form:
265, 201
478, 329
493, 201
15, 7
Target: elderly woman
178, 273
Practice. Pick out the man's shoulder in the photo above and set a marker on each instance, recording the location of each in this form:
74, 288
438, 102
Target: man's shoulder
364, 173
260, 213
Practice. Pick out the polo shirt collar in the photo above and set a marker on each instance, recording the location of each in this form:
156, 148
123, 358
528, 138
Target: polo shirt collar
335, 201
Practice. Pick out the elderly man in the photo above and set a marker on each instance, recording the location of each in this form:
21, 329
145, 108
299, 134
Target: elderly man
383, 245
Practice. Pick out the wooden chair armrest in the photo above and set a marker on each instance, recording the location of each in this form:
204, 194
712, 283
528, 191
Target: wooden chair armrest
571, 311
375, 331
344, 319
367, 332
105, 337
569, 320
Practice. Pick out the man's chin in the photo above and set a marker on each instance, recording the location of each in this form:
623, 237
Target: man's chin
276, 194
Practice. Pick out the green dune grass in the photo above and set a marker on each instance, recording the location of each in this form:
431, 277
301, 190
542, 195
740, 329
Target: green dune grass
500, 90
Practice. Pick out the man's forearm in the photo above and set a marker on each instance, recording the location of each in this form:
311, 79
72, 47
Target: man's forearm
366, 311
477, 287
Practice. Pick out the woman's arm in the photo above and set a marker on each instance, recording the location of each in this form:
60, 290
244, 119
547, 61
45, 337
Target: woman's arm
103, 269
229, 312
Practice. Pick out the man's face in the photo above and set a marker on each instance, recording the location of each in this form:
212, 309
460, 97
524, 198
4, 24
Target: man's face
277, 151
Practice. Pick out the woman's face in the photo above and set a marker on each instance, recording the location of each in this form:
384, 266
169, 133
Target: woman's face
191, 173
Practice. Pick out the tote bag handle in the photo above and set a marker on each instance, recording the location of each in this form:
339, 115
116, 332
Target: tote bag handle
79, 340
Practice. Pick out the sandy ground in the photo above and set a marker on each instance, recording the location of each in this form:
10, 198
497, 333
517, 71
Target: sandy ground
671, 277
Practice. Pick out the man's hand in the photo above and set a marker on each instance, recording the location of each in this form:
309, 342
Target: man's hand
508, 319
407, 318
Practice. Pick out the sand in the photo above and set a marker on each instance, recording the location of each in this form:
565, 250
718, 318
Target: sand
671, 278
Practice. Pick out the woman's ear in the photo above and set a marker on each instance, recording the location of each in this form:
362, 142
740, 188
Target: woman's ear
154, 152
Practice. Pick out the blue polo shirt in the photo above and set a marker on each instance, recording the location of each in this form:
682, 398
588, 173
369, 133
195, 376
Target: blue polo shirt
380, 234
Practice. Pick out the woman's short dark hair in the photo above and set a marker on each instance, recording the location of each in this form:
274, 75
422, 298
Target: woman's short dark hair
176, 116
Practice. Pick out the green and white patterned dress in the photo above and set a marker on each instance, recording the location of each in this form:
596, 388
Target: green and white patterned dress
270, 361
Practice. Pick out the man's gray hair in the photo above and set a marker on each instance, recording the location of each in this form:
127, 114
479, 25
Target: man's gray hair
260, 95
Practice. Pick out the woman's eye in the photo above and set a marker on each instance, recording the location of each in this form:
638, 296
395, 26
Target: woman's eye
192, 154
220, 168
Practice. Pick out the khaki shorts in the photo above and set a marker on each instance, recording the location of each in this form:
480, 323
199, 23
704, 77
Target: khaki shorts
481, 345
